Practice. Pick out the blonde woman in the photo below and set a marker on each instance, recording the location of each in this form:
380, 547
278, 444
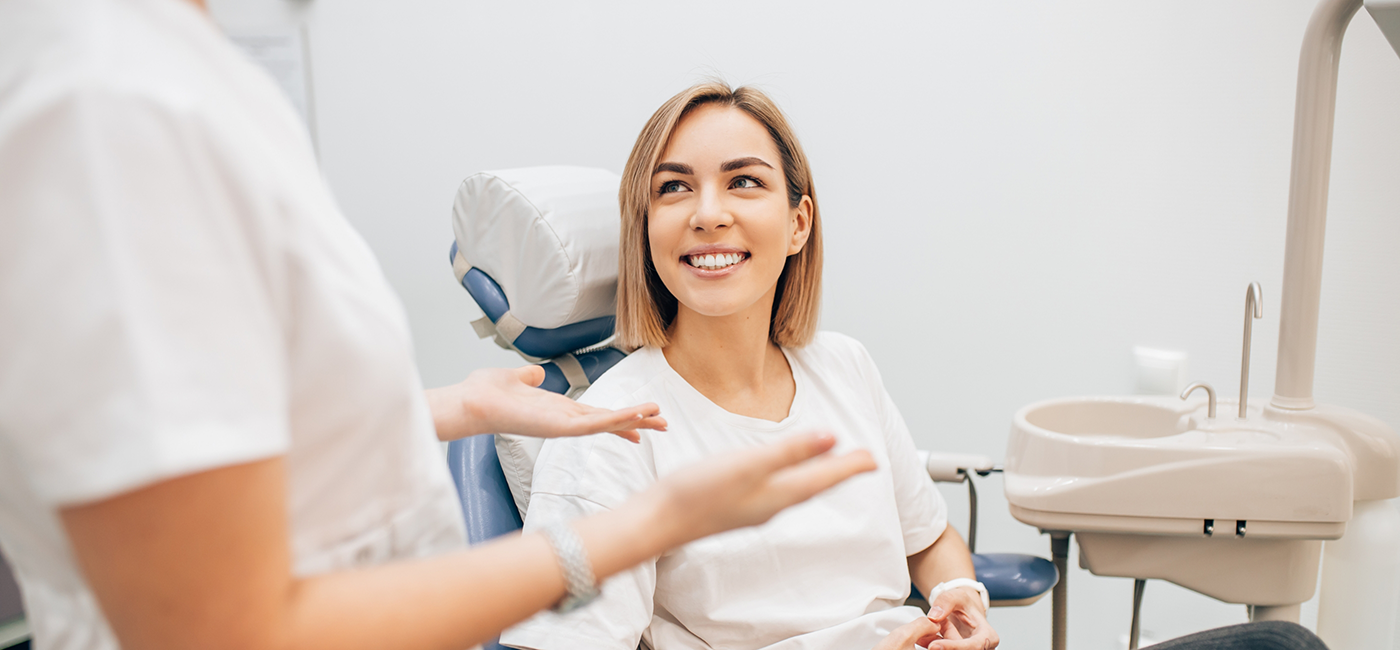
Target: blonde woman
719, 282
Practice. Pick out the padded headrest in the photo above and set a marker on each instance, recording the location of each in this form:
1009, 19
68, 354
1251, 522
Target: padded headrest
546, 237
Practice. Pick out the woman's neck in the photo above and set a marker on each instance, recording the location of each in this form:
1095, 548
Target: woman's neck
730, 360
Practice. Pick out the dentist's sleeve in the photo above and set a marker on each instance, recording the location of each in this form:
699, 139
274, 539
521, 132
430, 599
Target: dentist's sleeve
140, 333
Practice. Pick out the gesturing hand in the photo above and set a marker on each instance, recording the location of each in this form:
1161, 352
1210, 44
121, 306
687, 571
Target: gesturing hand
962, 621
748, 487
500, 400
921, 631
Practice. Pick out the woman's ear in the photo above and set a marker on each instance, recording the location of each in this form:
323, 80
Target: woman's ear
801, 225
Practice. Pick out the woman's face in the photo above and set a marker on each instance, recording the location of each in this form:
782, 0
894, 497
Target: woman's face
719, 225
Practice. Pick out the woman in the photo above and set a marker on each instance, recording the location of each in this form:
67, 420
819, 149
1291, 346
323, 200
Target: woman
212, 433
719, 280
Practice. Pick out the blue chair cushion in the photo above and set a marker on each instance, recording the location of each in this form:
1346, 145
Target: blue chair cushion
487, 506
486, 503
1013, 577
536, 342
594, 365
1010, 577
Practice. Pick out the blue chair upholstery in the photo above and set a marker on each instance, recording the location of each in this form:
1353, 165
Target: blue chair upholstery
594, 364
1013, 579
487, 505
534, 341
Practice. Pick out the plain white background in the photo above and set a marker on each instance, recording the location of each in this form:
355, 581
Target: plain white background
1014, 193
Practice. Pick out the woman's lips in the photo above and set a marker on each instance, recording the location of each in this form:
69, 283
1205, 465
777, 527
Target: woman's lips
714, 265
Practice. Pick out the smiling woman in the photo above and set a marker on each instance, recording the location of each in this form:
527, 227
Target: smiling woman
718, 291
769, 166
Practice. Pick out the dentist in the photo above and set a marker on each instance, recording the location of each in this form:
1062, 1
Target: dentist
212, 433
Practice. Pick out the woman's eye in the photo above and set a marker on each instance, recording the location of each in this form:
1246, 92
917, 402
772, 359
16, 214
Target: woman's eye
670, 186
745, 183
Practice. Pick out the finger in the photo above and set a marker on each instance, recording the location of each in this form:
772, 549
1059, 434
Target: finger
967, 627
640, 412
790, 451
950, 631
904, 636
945, 605
532, 374
921, 631
983, 640
795, 484
630, 435
602, 420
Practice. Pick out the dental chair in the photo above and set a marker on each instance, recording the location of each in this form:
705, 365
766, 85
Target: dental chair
536, 249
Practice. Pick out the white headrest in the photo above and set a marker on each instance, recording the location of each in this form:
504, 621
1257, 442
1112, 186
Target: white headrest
547, 235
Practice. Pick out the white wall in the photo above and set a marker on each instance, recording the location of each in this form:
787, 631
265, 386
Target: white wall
1015, 192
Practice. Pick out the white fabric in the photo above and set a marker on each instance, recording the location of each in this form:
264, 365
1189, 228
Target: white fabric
518, 455
547, 235
179, 292
827, 574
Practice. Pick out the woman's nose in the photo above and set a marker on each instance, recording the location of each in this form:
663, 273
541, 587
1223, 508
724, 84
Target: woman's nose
710, 212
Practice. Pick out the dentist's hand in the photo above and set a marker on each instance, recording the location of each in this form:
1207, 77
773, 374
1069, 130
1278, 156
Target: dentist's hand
747, 488
500, 400
962, 621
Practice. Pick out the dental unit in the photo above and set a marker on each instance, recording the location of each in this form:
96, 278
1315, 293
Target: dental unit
1242, 508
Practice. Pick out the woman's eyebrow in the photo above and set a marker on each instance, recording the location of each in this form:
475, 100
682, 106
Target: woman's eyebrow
678, 168
740, 163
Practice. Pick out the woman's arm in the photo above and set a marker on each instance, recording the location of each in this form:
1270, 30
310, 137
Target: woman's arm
495, 400
958, 611
203, 560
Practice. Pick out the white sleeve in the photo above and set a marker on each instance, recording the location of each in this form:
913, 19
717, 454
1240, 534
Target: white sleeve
139, 337
577, 477
922, 512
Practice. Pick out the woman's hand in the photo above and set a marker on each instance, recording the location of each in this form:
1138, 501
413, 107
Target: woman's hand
920, 631
962, 621
748, 487
500, 400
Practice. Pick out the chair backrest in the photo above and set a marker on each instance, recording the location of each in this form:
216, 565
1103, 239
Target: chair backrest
486, 502
536, 249
487, 506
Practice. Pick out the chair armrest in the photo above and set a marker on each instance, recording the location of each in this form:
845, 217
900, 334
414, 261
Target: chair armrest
949, 468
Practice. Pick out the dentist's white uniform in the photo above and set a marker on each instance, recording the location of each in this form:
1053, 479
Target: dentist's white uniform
179, 292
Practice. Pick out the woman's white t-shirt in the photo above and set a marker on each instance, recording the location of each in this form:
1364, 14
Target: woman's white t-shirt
830, 573
179, 292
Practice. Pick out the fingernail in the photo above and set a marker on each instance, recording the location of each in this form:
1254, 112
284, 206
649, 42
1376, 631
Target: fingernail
936, 611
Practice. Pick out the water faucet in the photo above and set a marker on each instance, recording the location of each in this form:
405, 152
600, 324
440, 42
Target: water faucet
1210, 396
1253, 308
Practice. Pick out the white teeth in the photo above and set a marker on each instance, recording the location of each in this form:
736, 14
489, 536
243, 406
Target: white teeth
713, 262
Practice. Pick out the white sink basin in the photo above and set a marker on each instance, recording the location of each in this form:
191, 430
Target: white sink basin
1234, 509
1158, 465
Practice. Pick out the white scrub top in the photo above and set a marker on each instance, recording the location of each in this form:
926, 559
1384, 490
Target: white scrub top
179, 292
831, 573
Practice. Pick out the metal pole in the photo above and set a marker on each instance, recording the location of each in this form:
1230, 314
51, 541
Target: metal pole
972, 514
1059, 598
1139, 586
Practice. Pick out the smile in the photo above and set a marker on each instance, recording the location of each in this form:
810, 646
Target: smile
715, 262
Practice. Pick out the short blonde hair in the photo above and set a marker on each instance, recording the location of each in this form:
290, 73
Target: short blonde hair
645, 307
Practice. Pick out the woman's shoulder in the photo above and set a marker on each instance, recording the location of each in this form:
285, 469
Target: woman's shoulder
633, 377
834, 348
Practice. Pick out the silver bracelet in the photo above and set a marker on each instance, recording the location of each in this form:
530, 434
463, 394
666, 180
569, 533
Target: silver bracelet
582, 587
